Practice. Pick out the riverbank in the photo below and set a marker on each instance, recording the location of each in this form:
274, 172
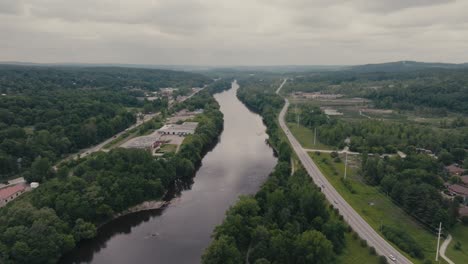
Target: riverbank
185, 224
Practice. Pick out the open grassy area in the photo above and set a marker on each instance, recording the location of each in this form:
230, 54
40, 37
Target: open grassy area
373, 206
166, 148
459, 234
354, 253
305, 136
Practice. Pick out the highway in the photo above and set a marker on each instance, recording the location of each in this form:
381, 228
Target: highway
358, 224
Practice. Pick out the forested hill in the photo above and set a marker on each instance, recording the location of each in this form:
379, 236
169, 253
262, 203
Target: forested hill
402, 66
18, 78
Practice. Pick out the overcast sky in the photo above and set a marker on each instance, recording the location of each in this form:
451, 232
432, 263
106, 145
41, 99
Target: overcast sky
233, 32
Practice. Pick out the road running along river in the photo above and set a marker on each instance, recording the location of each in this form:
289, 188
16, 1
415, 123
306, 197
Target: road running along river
179, 233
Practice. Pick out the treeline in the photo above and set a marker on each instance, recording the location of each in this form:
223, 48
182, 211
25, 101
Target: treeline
438, 90
415, 184
376, 136
260, 97
287, 221
48, 112
44, 224
17, 79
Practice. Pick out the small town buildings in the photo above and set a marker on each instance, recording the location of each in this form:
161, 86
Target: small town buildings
455, 170
458, 190
187, 128
9, 193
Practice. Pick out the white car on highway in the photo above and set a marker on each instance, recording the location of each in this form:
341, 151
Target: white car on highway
392, 257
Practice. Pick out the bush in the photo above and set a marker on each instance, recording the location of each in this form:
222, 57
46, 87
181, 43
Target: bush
372, 251
427, 261
403, 240
464, 220
355, 236
337, 160
363, 243
334, 154
383, 260
457, 245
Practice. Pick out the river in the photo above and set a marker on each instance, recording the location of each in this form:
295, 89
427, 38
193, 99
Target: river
179, 233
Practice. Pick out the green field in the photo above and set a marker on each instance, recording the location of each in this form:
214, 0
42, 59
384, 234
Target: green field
373, 206
459, 234
354, 253
305, 136
166, 148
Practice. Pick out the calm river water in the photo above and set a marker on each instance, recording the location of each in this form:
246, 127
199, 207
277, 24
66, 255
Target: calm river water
179, 233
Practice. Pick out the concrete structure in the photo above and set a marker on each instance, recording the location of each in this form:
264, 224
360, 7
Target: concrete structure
359, 225
187, 128
454, 169
144, 142
9, 193
317, 95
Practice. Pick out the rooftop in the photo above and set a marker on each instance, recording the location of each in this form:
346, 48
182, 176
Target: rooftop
11, 190
464, 179
458, 189
454, 169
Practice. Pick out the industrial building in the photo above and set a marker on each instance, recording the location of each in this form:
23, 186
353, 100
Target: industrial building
9, 193
187, 128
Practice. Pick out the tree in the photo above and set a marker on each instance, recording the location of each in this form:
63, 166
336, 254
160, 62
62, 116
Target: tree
313, 247
40, 170
222, 250
83, 230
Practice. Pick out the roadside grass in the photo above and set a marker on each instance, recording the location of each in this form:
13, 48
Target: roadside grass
354, 253
373, 206
459, 234
167, 148
120, 139
305, 136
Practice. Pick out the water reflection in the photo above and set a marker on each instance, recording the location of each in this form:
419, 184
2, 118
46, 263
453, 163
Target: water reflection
178, 233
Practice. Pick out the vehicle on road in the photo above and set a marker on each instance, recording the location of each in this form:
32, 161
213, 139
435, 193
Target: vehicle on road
392, 257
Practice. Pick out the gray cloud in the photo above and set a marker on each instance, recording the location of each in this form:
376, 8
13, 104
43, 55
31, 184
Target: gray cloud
233, 32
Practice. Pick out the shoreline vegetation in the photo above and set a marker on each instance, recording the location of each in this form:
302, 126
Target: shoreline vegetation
288, 220
81, 195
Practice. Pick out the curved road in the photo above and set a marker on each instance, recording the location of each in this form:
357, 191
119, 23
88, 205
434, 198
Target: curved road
359, 225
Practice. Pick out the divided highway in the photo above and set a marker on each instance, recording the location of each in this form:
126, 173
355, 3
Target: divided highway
359, 225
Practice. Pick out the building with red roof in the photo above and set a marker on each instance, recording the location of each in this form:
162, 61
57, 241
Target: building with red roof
455, 170
7, 194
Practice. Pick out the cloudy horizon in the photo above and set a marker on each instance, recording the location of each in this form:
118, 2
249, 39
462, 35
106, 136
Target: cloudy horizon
221, 32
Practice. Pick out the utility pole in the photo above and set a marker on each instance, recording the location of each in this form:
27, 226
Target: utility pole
438, 242
346, 165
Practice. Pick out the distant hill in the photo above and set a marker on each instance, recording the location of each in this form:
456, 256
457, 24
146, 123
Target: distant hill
402, 66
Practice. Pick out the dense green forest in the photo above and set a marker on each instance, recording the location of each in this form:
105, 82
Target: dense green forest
15, 79
42, 225
47, 112
415, 183
288, 220
441, 90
